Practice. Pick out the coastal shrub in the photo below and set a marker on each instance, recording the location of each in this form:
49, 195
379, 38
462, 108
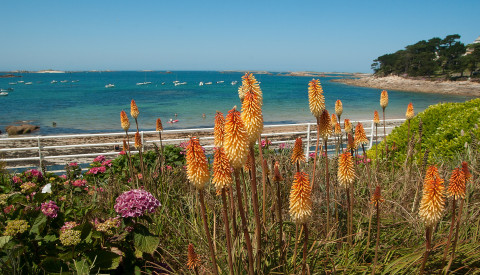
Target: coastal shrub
446, 129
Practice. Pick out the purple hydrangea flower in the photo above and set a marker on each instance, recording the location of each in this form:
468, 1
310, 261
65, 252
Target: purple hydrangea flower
136, 203
50, 209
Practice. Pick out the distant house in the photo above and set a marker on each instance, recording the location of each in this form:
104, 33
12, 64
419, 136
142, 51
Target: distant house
469, 49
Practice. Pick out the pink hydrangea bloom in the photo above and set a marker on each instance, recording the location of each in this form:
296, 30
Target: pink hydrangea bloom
282, 146
16, 179
79, 183
122, 153
100, 159
63, 177
97, 170
73, 164
107, 163
136, 203
50, 209
34, 173
68, 225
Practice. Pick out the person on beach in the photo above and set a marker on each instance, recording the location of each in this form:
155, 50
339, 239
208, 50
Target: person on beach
175, 115
204, 116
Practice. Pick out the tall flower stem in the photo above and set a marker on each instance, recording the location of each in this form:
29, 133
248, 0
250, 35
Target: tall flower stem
280, 225
233, 212
378, 238
305, 243
207, 231
264, 175
244, 223
369, 178
349, 205
450, 233
327, 185
258, 225
455, 241
428, 241
384, 134
129, 157
227, 231
316, 153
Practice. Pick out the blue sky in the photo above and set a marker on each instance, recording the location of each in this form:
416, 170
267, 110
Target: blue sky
222, 35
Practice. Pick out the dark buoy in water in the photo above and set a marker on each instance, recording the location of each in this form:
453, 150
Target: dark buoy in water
54, 124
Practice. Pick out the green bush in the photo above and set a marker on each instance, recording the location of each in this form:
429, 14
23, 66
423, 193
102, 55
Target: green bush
447, 127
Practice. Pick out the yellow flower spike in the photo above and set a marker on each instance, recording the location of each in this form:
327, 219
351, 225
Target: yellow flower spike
338, 129
410, 113
197, 166
316, 100
301, 198
249, 83
222, 171
360, 136
235, 141
346, 171
297, 154
347, 125
193, 261
376, 117
252, 116
433, 200
124, 121
219, 129
384, 99
457, 187
325, 124
134, 109
338, 107
138, 140
333, 120
159, 126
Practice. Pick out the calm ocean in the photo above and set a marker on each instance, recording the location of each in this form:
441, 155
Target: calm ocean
79, 102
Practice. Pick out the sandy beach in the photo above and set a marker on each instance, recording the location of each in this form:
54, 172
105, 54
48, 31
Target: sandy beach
425, 86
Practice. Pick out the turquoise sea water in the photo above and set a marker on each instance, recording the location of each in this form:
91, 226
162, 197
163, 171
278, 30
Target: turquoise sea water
82, 104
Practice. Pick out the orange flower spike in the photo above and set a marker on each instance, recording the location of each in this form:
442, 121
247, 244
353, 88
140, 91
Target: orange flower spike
360, 136
350, 142
433, 200
124, 121
276, 173
377, 197
384, 99
297, 154
457, 187
193, 261
410, 113
235, 141
346, 171
347, 125
325, 124
219, 129
333, 120
338, 107
376, 117
316, 100
134, 109
197, 166
222, 171
125, 146
138, 140
301, 198
465, 170
159, 126
338, 129
252, 116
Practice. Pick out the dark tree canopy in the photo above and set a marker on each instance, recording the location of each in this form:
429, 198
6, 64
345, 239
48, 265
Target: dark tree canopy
436, 57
